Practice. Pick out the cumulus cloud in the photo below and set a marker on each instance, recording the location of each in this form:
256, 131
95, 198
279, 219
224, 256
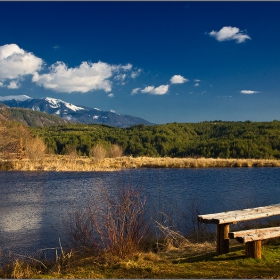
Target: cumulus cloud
163, 89
245, 91
111, 95
196, 85
86, 77
230, 33
160, 90
16, 63
178, 79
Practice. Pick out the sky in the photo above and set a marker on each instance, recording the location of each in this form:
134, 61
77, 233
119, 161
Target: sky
162, 61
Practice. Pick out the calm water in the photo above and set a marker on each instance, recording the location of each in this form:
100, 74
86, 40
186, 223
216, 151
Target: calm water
33, 205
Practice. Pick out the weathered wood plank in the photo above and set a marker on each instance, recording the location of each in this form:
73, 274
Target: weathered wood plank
240, 215
255, 234
241, 233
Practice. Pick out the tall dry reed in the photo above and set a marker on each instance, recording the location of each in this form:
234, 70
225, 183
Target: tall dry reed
75, 163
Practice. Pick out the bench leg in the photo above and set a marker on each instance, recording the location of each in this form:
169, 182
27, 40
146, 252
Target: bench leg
222, 239
253, 249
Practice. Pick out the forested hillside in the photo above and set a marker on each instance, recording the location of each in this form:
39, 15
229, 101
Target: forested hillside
206, 139
29, 117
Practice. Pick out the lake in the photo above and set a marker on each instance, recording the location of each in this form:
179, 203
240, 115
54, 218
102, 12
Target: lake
34, 205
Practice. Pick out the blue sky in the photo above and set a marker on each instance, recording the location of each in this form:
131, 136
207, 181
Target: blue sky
162, 61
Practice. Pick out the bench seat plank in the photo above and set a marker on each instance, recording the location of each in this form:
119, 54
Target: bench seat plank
240, 215
255, 234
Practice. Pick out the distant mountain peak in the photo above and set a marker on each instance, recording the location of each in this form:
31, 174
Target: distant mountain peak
71, 112
56, 103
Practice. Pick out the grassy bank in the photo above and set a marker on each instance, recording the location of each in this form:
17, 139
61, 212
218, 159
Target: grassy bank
70, 163
188, 261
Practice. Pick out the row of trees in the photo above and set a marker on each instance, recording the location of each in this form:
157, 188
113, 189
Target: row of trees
207, 139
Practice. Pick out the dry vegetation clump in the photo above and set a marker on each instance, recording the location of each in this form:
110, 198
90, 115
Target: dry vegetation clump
35, 148
174, 242
101, 151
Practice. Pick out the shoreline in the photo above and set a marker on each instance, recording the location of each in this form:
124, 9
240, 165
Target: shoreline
70, 163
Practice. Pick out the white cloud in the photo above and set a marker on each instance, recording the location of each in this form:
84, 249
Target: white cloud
120, 77
148, 89
111, 95
160, 90
136, 73
112, 111
163, 89
245, 91
197, 80
16, 63
13, 85
86, 77
196, 85
178, 79
135, 90
229, 33
128, 66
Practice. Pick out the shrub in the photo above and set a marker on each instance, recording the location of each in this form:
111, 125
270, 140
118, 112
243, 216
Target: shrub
115, 151
98, 151
35, 148
114, 222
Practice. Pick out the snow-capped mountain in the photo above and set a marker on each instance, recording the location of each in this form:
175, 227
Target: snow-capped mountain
72, 112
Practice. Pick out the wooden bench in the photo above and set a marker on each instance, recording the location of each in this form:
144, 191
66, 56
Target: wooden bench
253, 239
224, 219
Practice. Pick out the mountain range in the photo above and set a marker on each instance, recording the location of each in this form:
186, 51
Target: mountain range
71, 112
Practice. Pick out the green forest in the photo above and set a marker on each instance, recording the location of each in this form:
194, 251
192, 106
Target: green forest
215, 139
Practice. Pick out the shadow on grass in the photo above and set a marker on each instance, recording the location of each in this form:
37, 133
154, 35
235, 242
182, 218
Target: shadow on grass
234, 254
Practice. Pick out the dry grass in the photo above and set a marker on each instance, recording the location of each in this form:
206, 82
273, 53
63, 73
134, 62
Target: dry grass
74, 163
194, 262
188, 261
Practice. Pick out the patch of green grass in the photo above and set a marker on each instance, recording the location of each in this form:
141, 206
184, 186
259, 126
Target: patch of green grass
183, 263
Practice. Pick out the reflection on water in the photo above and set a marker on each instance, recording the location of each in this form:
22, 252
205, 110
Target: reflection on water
21, 218
23, 210
33, 205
